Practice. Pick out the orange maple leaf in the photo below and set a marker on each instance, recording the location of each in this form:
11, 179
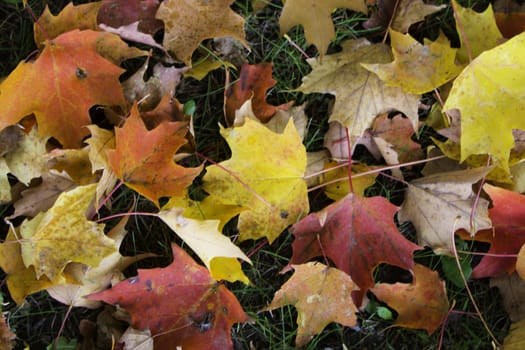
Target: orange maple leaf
143, 159
61, 85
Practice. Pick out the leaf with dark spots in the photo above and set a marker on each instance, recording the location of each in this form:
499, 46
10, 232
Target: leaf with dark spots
181, 304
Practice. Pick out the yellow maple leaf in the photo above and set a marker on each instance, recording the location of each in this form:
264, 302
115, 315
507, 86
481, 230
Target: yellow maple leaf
489, 95
359, 94
478, 32
63, 234
188, 22
265, 175
417, 68
315, 17
215, 250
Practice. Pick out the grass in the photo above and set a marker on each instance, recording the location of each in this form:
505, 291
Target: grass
38, 321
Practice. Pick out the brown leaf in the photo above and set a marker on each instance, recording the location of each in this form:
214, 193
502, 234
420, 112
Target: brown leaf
512, 290
423, 304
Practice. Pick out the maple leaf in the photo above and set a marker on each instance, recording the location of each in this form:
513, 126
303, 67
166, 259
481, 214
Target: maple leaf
215, 250
417, 68
254, 81
63, 235
508, 220
75, 162
315, 17
100, 141
188, 22
265, 175
118, 13
321, 295
5, 187
42, 197
512, 290
181, 304
439, 204
90, 280
357, 234
423, 304
338, 190
21, 280
342, 75
7, 338
478, 32
407, 13
397, 133
28, 160
83, 16
133, 161
60, 87
514, 340
494, 78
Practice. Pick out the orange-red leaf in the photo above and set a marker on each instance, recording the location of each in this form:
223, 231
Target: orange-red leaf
508, 220
143, 159
357, 234
180, 304
422, 304
60, 87
254, 81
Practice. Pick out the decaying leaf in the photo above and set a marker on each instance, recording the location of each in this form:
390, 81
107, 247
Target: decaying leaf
181, 304
265, 175
422, 304
512, 290
188, 22
63, 234
321, 295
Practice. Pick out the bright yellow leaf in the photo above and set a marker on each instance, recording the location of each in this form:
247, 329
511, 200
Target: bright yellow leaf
265, 174
490, 96
417, 68
341, 188
215, 250
478, 32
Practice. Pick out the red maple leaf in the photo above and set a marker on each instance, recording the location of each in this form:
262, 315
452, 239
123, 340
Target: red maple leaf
254, 81
181, 304
357, 234
508, 220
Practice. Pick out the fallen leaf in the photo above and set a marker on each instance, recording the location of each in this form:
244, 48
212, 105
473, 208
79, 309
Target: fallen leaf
215, 250
75, 162
407, 13
134, 339
254, 81
515, 340
131, 32
488, 94
181, 304
132, 161
100, 141
61, 97
422, 304
188, 22
342, 75
417, 68
512, 290
357, 234
28, 160
92, 279
397, 132
63, 235
321, 295
5, 187
508, 220
81, 17
118, 13
478, 32
265, 175
439, 204
42, 197
315, 17
339, 189
7, 338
